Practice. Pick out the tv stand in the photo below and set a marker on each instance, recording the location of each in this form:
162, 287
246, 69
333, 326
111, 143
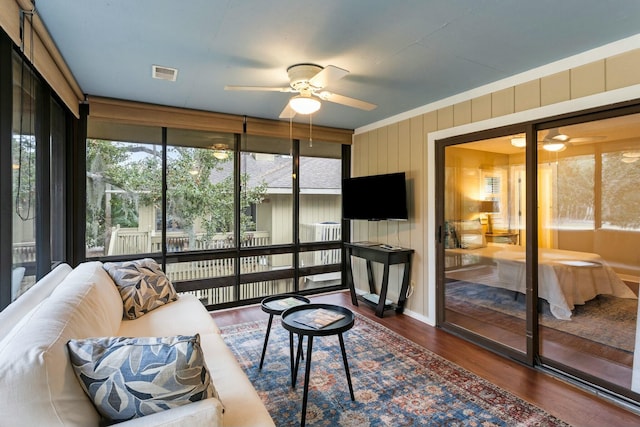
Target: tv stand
387, 256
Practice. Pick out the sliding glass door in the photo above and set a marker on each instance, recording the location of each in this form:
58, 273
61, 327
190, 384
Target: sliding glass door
482, 236
588, 240
538, 245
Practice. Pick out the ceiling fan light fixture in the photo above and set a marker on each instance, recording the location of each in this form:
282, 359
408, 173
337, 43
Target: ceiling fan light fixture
553, 145
630, 159
304, 104
554, 134
220, 151
519, 142
631, 154
220, 154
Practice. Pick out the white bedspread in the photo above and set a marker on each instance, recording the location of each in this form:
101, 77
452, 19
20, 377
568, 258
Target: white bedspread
565, 278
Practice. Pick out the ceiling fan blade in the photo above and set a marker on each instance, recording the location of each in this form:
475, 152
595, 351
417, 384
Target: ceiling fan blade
287, 112
587, 139
345, 100
327, 75
259, 88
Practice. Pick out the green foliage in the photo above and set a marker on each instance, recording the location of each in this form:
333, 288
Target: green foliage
200, 188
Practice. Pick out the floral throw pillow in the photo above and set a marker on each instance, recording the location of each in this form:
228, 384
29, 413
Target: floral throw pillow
129, 378
142, 284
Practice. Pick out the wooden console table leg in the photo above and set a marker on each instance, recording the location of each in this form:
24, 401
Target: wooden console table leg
352, 286
383, 291
372, 284
404, 288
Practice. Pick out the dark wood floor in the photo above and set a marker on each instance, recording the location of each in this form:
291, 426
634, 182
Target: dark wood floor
566, 401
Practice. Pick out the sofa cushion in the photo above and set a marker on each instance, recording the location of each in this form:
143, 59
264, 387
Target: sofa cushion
242, 404
12, 314
142, 284
205, 413
192, 315
128, 378
39, 386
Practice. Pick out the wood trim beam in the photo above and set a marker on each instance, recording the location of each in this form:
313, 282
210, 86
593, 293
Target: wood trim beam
299, 131
138, 113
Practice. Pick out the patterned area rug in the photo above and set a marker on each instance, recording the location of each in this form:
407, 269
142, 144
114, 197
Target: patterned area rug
396, 382
607, 319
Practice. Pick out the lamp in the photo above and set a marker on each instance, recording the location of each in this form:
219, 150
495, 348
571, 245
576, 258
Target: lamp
489, 207
304, 104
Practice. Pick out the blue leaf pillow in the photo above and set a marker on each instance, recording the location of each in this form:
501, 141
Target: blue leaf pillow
128, 378
142, 284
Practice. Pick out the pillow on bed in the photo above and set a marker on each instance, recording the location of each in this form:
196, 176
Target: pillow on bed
470, 234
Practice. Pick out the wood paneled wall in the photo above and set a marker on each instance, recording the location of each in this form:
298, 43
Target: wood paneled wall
401, 146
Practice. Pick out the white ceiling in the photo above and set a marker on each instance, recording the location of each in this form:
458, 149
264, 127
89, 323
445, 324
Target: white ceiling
400, 54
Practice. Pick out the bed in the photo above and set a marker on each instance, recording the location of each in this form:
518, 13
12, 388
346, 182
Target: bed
566, 278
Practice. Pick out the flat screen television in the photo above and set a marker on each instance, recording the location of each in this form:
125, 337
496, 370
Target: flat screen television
375, 197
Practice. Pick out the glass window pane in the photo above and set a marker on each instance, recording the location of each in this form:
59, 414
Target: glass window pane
265, 288
266, 195
320, 192
124, 187
589, 233
200, 191
197, 270
58, 176
484, 197
23, 153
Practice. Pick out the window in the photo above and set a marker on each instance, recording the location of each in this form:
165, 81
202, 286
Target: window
216, 208
124, 183
24, 197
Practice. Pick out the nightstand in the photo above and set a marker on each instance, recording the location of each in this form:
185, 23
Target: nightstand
503, 237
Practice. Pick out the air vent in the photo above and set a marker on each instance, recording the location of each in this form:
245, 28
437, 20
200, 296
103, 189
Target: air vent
164, 73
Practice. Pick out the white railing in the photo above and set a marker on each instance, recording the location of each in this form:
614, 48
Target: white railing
322, 232
247, 291
126, 241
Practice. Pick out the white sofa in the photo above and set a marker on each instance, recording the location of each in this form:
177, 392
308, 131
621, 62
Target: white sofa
38, 386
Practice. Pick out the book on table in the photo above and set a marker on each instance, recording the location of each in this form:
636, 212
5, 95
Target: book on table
285, 303
319, 318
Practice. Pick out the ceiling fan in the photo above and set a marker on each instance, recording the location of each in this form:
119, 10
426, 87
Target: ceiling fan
555, 140
309, 81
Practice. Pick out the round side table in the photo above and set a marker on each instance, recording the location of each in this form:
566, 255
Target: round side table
307, 320
275, 305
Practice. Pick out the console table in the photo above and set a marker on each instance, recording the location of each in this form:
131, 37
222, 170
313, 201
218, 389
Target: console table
386, 256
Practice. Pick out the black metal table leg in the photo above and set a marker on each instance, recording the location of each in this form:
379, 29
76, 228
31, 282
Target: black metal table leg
266, 340
346, 366
307, 373
294, 372
291, 361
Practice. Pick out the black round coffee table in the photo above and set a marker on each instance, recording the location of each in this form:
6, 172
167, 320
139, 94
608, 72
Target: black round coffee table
306, 320
275, 305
